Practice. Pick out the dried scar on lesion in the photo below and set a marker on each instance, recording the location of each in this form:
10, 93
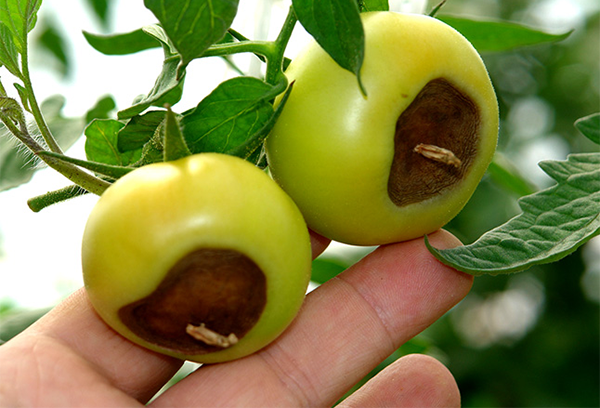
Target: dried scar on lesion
212, 338
438, 154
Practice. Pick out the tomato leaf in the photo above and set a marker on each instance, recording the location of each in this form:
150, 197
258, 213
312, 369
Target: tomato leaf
101, 110
19, 16
226, 118
589, 126
498, 36
51, 39
174, 143
373, 5
324, 269
193, 25
122, 43
168, 87
337, 27
23, 96
9, 56
101, 143
139, 130
554, 223
101, 10
247, 149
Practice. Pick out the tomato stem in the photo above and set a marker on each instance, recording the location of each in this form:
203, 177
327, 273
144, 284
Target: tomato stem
275, 62
33, 104
38, 203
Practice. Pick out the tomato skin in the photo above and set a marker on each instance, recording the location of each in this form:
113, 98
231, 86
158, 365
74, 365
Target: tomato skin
331, 149
152, 217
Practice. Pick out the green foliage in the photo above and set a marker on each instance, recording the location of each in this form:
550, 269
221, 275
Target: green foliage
193, 25
123, 43
175, 146
236, 109
52, 41
373, 5
532, 367
590, 127
9, 56
139, 130
15, 321
554, 223
17, 166
499, 36
168, 87
19, 16
101, 10
337, 27
506, 175
101, 143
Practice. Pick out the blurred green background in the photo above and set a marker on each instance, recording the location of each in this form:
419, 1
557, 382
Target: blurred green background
526, 340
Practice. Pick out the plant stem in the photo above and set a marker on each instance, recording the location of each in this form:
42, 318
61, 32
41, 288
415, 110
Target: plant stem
85, 180
261, 48
75, 174
272, 51
275, 60
37, 204
22, 134
33, 104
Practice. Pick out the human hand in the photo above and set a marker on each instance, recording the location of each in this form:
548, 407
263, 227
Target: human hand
71, 358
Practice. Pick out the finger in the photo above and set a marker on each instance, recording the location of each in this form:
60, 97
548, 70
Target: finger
76, 328
78, 334
346, 327
415, 380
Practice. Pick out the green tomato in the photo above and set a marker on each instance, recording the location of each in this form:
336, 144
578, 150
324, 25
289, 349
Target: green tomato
204, 258
403, 160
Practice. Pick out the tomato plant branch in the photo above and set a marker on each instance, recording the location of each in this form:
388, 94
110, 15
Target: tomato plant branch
271, 51
33, 104
275, 62
261, 48
38, 203
14, 121
12, 115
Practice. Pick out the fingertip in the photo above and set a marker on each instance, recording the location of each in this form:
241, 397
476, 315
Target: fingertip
433, 382
442, 239
415, 380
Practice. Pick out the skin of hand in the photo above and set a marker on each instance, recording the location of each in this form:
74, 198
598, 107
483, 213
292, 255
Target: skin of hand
347, 326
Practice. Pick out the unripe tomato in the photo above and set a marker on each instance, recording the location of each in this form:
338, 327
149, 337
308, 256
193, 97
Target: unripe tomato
400, 162
203, 258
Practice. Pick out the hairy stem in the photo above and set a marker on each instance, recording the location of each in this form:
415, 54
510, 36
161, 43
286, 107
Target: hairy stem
37, 204
33, 104
85, 180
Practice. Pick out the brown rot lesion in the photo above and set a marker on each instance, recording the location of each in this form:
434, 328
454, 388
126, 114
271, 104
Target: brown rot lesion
435, 143
208, 301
